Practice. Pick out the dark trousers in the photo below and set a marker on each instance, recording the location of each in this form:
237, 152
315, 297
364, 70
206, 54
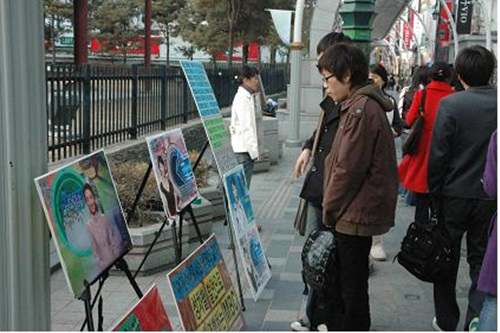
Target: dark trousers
462, 216
422, 207
248, 163
353, 275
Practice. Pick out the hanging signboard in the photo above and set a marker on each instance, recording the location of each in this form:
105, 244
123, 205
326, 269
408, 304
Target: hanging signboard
464, 16
211, 117
147, 315
246, 234
85, 218
204, 294
173, 172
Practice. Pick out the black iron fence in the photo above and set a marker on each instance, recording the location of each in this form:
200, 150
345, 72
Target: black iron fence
92, 106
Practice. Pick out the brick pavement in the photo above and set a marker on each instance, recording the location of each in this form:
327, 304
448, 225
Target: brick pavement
398, 301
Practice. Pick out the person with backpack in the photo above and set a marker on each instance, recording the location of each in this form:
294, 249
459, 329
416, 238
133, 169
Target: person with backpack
413, 168
458, 149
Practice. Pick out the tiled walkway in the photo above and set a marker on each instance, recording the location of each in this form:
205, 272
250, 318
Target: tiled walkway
398, 301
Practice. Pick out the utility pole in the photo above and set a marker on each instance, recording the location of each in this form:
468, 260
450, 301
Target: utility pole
80, 17
147, 35
24, 235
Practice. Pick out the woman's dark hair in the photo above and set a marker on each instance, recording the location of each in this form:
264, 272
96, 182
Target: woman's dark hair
420, 76
330, 39
380, 71
475, 65
88, 187
440, 71
159, 160
345, 59
246, 72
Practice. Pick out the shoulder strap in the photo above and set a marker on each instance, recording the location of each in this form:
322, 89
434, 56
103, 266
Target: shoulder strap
316, 134
421, 107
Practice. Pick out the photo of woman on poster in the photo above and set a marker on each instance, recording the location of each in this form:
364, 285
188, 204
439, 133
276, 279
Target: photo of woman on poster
103, 238
167, 189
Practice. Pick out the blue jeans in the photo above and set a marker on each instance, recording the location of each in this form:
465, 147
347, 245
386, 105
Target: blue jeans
488, 316
246, 160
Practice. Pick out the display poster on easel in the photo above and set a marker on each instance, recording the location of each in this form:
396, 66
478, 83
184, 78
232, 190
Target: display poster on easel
85, 217
204, 294
211, 117
147, 315
247, 236
173, 172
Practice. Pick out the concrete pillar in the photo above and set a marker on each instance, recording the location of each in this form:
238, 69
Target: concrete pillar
296, 77
24, 237
358, 17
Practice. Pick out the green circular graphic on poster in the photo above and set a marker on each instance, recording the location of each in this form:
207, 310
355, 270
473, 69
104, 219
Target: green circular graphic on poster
70, 212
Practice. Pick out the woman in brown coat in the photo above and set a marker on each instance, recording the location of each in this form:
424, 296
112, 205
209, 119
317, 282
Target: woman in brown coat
360, 189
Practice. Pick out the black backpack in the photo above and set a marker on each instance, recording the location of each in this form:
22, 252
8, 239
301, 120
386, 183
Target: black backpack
318, 258
426, 251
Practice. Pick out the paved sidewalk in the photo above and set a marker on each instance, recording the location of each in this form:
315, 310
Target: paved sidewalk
398, 301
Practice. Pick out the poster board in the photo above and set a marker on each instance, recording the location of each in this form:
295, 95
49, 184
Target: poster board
204, 294
211, 117
247, 236
173, 172
85, 217
148, 314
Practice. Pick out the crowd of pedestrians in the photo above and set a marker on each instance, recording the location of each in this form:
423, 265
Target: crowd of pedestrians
352, 186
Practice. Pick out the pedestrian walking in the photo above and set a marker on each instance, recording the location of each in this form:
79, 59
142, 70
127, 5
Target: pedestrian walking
464, 124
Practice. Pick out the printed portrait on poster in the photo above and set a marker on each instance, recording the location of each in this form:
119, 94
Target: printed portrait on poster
173, 172
147, 315
85, 218
248, 240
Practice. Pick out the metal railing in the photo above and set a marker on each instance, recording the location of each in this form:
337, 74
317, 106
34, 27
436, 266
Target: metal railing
93, 106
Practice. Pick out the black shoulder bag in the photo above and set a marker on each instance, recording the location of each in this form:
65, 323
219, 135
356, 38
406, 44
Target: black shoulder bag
410, 145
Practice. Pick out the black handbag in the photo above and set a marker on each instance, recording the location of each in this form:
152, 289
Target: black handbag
318, 258
426, 251
410, 145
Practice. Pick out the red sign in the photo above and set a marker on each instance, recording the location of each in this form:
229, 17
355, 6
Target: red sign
253, 52
147, 315
443, 36
407, 34
134, 46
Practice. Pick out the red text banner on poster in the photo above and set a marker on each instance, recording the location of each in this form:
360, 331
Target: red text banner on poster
147, 315
203, 291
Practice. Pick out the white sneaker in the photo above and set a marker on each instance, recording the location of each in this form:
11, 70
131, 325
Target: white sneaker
377, 252
299, 326
435, 325
322, 328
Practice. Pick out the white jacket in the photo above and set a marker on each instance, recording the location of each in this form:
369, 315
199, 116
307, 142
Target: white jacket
243, 125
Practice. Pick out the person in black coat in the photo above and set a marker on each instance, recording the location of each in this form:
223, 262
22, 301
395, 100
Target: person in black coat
319, 308
457, 156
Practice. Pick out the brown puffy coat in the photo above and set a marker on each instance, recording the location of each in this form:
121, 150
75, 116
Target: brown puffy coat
361, 181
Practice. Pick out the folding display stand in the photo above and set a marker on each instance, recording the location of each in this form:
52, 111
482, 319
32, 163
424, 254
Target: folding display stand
177, 242
120, 264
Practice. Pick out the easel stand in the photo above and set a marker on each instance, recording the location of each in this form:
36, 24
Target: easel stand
121, 264
177, 241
